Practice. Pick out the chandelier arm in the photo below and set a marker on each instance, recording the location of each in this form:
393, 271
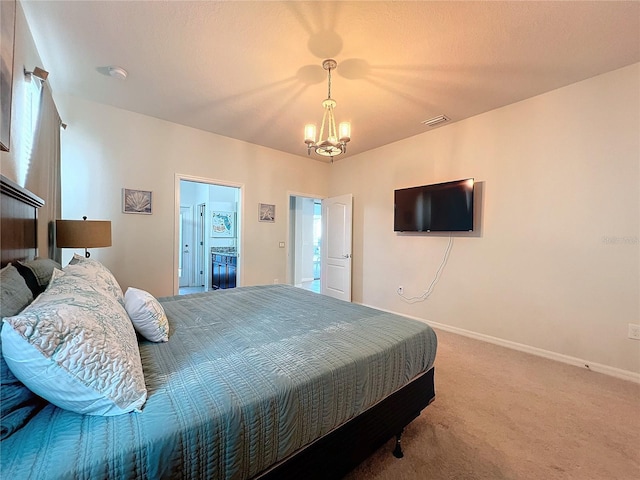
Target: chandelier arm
332, 125
324, 119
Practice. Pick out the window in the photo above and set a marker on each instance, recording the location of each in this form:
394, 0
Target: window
31, 112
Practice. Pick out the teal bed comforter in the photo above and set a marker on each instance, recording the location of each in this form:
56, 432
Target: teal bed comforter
249, 376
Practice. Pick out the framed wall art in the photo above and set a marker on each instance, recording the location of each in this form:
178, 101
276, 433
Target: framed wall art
266, 212
223, 224
136, 201
7, 39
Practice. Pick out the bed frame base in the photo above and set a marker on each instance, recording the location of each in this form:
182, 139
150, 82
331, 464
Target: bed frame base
338, 452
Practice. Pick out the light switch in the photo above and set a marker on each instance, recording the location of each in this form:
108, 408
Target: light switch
281, 245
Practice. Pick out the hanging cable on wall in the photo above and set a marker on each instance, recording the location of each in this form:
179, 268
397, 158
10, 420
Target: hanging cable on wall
425, 295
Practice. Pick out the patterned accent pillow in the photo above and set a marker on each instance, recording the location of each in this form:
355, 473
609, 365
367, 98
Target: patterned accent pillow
97, 274
17, 403
37, 273
147, 315
75, 346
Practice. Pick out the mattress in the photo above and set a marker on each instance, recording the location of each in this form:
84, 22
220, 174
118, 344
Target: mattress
249, 376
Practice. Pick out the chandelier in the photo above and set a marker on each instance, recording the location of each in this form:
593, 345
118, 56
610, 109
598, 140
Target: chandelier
331, 144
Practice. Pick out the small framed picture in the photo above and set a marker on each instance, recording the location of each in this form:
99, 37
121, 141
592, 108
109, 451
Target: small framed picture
136, 201
223, 224
266, 212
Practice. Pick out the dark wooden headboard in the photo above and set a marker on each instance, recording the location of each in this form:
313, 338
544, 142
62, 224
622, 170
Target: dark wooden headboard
18, 222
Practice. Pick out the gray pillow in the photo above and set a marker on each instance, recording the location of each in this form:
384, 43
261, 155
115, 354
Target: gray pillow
37, 273
14, 292
17, 403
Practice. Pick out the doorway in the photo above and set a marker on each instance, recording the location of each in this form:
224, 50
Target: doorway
305, 230
208, 235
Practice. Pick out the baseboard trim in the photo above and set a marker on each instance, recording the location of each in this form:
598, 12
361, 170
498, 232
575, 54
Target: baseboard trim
578, 362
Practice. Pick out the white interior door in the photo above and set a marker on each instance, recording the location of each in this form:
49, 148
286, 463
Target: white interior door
337, 216
186, 247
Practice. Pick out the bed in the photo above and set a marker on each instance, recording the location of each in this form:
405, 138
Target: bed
266, 382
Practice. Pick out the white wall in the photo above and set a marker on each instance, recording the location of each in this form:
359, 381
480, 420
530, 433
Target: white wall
555, 262
193, 193
105, 149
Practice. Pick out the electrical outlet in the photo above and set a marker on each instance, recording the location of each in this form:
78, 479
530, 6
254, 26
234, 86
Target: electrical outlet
400, 290
276, 281
634, 331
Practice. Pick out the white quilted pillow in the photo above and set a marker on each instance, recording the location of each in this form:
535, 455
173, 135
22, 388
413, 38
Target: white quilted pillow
147, 315
97, 274
75, 346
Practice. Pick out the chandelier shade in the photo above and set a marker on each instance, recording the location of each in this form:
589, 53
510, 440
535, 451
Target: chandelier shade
331, 141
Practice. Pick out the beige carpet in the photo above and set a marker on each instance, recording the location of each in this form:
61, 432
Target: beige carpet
504, 414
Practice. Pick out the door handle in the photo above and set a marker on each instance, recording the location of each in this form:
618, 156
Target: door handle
346, 255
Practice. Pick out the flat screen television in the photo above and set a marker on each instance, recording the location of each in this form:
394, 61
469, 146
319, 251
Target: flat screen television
441, 207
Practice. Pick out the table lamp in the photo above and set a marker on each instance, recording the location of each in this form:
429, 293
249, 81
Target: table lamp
83, 234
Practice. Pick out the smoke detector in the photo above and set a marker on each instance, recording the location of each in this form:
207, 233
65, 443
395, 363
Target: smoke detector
117, 72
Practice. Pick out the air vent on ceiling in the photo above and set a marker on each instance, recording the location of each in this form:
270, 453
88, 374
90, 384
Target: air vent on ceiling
432, 122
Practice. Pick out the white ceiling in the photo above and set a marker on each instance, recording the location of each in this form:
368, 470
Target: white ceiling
251, 70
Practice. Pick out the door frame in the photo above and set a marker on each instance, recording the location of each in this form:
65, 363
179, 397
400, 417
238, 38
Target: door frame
189, 268
200, 221
176, 222
290, 234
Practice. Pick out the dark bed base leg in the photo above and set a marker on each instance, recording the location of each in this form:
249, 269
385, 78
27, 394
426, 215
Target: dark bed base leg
397, 452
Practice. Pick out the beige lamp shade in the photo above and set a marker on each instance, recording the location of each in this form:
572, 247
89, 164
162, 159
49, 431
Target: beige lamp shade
83, 234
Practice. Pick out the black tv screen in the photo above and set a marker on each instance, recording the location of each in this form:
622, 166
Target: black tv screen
441, 207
